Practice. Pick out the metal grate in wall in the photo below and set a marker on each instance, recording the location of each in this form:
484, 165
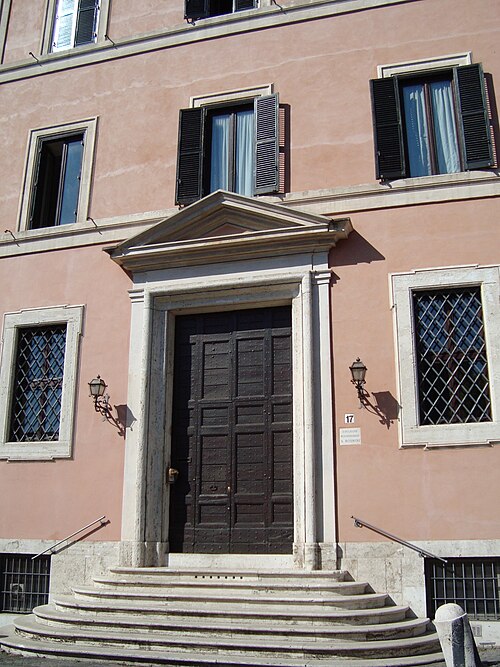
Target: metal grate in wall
24, 583
451, 356
473, 583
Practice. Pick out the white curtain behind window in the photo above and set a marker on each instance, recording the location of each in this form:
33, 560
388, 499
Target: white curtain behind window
417, 131
219, 159
244, 152
444, 127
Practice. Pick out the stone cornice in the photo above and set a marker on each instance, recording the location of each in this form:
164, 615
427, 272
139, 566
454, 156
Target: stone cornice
195, 235
211, 28
329, 201
231, 248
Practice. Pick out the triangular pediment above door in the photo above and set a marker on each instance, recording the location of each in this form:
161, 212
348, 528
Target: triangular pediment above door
224, 227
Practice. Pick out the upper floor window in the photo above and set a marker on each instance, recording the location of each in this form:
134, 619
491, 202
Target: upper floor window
75, 23
200, 9
233, 148
57, 181
58, 173
435, 123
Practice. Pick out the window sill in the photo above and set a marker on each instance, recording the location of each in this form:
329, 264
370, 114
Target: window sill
394, 194
329, 201
451, 436
35, 451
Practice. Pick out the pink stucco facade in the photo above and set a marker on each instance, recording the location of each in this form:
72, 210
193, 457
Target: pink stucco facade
319, 57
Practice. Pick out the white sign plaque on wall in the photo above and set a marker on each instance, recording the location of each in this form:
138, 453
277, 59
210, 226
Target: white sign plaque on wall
349, 419
350, 436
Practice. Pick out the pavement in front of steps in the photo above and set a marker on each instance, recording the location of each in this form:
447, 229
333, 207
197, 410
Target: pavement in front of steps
489, 658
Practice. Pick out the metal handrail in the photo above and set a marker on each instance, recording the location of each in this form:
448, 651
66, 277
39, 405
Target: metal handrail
80, 530
359, 523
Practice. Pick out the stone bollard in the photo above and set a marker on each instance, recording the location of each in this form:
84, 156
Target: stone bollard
455, 635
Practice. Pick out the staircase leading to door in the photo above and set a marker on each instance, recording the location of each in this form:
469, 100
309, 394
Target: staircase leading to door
198, 618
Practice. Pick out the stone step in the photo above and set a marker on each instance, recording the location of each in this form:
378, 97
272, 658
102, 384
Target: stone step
200, 618
201, 659
210, 643
285, 612
209, 585
251, 575
231, 600
403, 627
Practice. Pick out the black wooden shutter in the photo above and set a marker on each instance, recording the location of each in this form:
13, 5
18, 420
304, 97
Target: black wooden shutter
195, 9
190, 155
86, 21
388, 131
473, 113
266, 144
243, 4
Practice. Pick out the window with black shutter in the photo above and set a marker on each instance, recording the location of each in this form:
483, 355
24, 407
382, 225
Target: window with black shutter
201, 9
234, 148
435, 123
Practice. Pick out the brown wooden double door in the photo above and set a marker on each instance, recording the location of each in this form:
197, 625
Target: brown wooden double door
232, 433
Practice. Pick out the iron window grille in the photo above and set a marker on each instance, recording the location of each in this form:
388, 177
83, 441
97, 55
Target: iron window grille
36, 400
24, 583
473, 583
453, 384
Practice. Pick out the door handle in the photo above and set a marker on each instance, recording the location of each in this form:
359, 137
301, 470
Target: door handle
172, 475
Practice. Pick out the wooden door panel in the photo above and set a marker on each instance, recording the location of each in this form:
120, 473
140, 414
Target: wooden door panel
232, 433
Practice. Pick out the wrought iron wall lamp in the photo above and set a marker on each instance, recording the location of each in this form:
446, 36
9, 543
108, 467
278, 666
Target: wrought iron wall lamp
97, 387
358, 372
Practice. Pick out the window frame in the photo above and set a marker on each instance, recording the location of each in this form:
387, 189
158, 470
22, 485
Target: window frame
192, 161
86, 127
425, 80
474, 139
402, 286
48, 32
200, 9
232, 110
41, 450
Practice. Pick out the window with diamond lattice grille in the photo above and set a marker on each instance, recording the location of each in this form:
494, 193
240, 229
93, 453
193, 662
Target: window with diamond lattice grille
453, 384
36, 400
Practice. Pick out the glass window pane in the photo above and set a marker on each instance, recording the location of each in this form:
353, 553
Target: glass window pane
36, 401
452, 364
71, 181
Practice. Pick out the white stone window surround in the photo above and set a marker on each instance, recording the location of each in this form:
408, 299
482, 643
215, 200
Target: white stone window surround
303, 284
424, 64
40, 451
229, 96
4, 22
50, 17
402, 286
89, 128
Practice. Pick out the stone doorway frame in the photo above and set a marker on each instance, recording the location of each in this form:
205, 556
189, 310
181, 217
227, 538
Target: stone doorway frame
300, 277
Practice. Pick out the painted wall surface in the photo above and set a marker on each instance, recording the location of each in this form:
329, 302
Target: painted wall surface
49, 500
323, 79
321, 69
418, 494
